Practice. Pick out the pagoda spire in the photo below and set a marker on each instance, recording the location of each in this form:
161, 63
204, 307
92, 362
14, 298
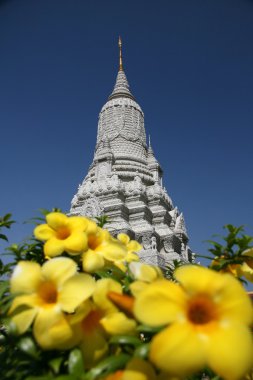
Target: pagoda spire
121, 88
120, 55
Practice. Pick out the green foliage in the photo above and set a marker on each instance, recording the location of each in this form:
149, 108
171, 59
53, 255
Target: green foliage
236, 242
231, 249
102, 220
22, 359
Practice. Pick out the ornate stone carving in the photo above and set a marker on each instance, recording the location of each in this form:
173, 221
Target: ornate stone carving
125, 182
91, 208
153, 243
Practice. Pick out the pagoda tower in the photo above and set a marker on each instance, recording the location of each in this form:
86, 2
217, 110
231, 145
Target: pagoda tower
124, 182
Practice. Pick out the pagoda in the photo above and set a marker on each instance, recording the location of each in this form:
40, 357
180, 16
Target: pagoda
124, 182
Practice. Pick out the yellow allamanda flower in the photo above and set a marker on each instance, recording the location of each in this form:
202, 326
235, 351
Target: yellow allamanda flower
136, 369
246, 268
233, 269
132, 246
63, 233
102, 249
143, 275
92, 325
45, 294
145, 272
207, 314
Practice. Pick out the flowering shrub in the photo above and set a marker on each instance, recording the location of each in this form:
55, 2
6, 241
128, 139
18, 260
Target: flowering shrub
76, 304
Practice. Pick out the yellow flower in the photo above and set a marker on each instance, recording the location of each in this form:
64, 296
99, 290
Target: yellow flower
136, 369
102, 248
132, 246
233, 269
145, 272
45, 294
246, 269
208, 316
63, 233
102, 318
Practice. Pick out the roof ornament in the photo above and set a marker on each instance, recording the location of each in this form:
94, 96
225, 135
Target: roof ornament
120, 55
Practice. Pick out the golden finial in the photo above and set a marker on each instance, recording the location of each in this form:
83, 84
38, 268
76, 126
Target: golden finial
120, 55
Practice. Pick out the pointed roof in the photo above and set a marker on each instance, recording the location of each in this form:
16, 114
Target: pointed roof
121, 88
151, 156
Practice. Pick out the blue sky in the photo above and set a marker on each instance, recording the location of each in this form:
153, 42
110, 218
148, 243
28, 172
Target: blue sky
190, 66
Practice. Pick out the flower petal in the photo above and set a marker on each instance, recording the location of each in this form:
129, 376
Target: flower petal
131, 257
43, 232
75, 290
92, 261
134, 246
31, 300
143, 272
124, 238
24, 320
246, 271
138, 369
53, 247
224, 290
208, 281
230, 351
77, 223
56, 220
248, 252
81, 223
91, 227
52, 331
26, 277
81, 312
59, 270
93, 347
233, 302
137, 287
118, 323
178, 350
76, 243
103, 287
112, 250
160, 303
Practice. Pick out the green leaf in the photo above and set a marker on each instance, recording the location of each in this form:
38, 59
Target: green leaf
125, 340
4, 285
3, 237
149, 329
55, 364
142, 351
28, 346
46, 377
109, 365
75, 362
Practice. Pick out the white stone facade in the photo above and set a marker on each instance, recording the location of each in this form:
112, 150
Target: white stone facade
124, 182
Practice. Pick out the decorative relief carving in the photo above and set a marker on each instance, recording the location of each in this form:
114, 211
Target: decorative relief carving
92, 208
153, 243
122, 168
168, 244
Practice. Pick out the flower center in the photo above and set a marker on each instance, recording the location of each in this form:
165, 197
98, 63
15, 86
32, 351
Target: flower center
62, 233
115, 376
93, 241
48, 292
91, 322
201, 310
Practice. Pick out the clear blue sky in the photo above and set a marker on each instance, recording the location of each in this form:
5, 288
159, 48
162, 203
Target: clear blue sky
190, 66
